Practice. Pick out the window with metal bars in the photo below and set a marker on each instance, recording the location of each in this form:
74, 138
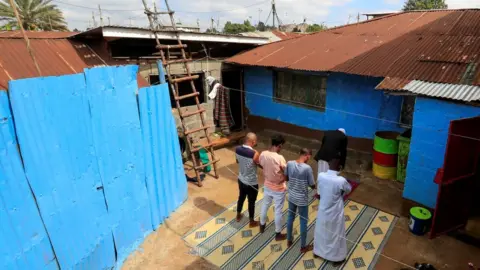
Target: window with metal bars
302, 90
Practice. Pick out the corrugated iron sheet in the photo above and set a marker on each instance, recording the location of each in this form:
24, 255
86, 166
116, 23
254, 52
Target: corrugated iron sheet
165, 178
440, 90
392, 84
54, 56
37, 34
434, 46
21, 221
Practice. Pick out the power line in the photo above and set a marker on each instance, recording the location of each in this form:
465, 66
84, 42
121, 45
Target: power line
178, 11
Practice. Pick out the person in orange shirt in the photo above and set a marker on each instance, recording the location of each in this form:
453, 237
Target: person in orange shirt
275, 185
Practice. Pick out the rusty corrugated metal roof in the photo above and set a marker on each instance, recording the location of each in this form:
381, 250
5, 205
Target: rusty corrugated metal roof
392, 84
54, 56
36, 34
439, 46
286, 35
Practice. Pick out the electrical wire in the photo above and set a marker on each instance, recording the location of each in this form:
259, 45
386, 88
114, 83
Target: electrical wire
178, 11
338, 110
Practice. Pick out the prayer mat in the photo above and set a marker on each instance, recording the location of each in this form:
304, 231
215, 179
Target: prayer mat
234, 245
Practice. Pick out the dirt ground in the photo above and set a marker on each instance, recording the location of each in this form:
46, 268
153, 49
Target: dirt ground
165, 249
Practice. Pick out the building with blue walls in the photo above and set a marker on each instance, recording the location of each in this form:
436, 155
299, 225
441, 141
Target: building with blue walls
431, 121
385, 74
351, 102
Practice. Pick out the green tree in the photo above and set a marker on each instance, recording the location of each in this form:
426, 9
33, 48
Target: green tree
424, 5
316, 28
237, 28
36, 15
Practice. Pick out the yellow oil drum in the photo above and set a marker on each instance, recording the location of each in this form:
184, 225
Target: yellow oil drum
382, 172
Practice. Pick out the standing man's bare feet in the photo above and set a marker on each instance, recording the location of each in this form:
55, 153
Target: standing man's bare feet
239, 217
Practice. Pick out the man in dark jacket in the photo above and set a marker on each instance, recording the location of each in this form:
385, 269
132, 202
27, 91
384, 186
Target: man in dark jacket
334, 145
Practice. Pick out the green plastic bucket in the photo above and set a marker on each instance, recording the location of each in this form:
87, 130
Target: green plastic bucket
205, 160
420, 219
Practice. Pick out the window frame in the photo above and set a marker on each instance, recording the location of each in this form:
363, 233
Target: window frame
401, 121
303, 105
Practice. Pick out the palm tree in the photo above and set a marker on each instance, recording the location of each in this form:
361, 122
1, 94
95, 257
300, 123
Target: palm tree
36, 15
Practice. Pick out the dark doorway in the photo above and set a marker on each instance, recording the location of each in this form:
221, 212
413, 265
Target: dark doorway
184, 89
458, 178
232, 78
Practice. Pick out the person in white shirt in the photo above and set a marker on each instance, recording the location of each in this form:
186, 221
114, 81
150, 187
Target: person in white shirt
330, 241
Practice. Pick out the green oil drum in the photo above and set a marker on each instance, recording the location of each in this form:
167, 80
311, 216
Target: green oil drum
386, 142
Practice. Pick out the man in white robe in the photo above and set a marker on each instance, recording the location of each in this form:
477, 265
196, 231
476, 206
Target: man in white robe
330, 239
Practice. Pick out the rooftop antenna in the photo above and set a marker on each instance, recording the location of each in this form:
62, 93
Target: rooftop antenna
273, 12
93, 18
100, 13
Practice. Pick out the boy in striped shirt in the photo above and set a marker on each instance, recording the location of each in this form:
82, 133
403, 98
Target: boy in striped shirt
299, 176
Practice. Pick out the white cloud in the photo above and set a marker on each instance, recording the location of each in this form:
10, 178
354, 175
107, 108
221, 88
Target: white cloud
463, 3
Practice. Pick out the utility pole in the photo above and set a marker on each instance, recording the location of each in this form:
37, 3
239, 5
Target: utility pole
93, 18
274, 12
212, 22
358, 17
100, 12
259, 12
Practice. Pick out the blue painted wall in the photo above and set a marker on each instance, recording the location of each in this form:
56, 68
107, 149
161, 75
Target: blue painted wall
102, 178
431, 122
165, 178
117, 138
352, 103
24, 241
52, 118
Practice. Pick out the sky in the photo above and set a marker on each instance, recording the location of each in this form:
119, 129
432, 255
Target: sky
78, 13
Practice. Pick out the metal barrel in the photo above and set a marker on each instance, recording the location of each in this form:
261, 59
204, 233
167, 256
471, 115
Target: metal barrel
385, 155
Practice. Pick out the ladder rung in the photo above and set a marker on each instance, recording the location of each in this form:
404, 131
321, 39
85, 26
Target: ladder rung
193, 113
187, 96
188, 132
161, 47
169, 62
187, 78
206, 165
202, 147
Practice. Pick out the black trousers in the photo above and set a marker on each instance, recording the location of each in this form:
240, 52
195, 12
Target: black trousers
247, 191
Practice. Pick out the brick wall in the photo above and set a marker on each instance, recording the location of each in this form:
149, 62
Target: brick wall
210, 68
195, 121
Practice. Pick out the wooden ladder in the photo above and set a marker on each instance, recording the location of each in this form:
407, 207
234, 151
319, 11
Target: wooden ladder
173, 82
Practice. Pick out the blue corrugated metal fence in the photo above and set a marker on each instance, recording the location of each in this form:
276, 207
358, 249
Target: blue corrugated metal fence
102, 180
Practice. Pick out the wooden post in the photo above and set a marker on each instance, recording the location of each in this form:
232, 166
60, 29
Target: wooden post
25, 37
